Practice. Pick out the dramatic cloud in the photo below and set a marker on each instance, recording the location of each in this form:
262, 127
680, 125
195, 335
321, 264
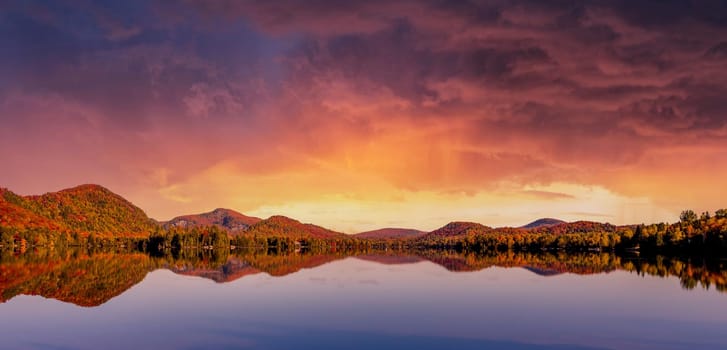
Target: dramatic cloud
415, 106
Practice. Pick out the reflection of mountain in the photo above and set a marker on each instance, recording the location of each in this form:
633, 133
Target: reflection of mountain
232, 270
543, 272
547, 263
285, 264
93, 279
239, 266
82, 280
544, 264
390, 259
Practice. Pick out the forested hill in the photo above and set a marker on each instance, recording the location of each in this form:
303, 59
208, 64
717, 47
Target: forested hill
227, 219
87, 213
459, 228
544, 222
92, 215
286, 227
85, 209
391, 233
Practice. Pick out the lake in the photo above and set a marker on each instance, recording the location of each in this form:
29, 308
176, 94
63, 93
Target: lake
390, 300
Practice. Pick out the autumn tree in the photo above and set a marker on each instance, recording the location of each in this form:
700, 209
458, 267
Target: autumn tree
688, 216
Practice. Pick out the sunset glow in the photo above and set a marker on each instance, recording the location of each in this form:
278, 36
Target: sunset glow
361, 115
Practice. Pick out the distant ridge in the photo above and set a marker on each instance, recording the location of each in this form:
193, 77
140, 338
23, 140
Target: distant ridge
544, 222
458, 228
287, 227
227, 219
95, 212
390, 233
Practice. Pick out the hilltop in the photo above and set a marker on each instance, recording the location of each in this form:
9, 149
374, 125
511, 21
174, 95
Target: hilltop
544, 222
283, 226
390, 233
227, 219
85, 209
459, 228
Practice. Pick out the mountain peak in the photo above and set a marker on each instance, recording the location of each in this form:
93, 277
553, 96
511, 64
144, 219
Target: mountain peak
544, 222
456, 228
282, 218
390, 232
227, 219
87, 188
86, 208
277, 224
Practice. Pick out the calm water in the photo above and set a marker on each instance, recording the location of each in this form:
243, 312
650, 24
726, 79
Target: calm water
132, 301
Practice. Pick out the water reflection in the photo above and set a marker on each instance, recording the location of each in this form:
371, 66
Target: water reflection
91, 278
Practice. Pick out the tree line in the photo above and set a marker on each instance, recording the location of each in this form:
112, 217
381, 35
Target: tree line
694, 234
705, 233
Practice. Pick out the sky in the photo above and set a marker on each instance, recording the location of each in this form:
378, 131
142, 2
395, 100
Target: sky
357, 115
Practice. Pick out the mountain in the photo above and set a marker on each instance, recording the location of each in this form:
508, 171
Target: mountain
459, 228
544, 222
227, 219
575, 227
385, 233
284, 226
72, 215
81, 209
15, 215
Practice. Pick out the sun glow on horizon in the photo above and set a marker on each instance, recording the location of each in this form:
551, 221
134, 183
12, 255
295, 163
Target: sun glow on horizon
394, 119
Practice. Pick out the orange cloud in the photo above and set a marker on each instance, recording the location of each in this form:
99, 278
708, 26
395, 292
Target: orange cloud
365, 114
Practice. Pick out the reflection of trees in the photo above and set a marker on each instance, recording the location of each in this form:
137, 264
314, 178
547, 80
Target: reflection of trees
287, 263
581, 263
224, 266
90, 278
79, 278
691, 272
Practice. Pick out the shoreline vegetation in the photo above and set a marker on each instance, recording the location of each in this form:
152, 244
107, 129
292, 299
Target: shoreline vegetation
93, 216
86, 245
92, 276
